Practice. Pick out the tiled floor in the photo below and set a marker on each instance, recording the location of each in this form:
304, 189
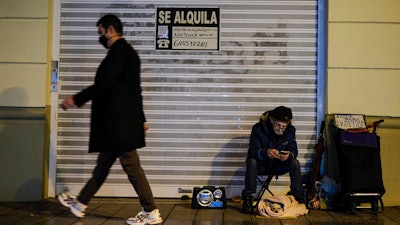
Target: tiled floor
110, 211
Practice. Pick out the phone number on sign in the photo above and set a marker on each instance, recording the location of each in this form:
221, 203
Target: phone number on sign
190, 44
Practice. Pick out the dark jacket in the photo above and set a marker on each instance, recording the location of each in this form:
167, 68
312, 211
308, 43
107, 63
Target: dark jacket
263, 137
117, 115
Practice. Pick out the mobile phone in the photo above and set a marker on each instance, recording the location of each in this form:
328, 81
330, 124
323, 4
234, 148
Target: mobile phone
283, 152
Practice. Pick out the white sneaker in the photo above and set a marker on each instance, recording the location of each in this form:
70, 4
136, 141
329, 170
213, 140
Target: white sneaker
78, 209
70, 201
66, 199
145, 218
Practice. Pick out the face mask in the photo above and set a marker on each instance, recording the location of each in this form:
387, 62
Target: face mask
103, 41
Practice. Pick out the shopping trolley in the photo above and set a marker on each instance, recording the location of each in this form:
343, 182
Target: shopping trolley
360, 168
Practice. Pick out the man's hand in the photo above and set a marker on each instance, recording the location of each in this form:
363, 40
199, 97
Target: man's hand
284, 156
273, 153
145, 127
67, 103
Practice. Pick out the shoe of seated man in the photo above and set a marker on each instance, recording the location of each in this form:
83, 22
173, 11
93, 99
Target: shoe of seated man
144, 218
77, 208
298, 196
247, 205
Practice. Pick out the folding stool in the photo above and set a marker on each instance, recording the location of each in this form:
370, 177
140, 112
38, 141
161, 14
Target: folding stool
264, 187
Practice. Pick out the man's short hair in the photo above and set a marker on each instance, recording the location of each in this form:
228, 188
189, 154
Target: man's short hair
110, 19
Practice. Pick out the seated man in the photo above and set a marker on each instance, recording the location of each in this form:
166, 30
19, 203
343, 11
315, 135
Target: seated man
272, 149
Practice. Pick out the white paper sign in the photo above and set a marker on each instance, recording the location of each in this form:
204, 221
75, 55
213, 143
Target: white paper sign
349, 121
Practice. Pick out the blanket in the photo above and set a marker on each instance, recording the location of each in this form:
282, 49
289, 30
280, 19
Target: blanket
280, 206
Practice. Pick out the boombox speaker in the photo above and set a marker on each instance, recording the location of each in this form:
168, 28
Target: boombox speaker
208, 197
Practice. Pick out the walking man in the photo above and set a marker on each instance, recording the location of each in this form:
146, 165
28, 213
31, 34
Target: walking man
117, 122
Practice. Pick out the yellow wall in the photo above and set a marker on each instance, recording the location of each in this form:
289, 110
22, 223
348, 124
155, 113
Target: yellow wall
363, 57
24, 97
363, 74
23, 55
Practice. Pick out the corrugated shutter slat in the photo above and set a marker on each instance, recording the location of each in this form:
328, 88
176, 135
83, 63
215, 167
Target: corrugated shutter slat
200, 105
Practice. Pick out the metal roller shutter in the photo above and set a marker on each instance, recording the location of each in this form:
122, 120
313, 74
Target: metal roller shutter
200, 105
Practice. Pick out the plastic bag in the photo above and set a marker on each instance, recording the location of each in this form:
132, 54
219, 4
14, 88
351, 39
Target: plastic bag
326, 192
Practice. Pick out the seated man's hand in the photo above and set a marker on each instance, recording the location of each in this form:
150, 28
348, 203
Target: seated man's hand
275, 154
284, 157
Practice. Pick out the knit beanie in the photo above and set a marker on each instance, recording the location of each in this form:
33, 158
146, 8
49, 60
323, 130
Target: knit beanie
282, 114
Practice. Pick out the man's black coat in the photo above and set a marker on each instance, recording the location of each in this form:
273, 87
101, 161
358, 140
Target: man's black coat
117, 115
